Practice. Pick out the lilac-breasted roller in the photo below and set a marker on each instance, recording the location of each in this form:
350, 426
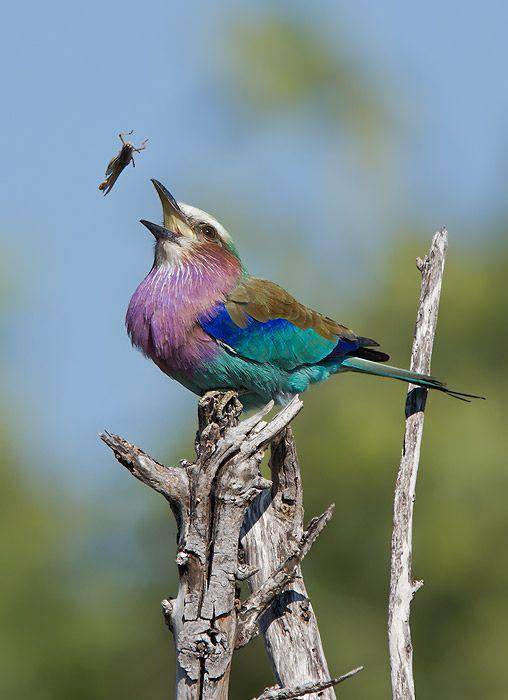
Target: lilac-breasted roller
207, 323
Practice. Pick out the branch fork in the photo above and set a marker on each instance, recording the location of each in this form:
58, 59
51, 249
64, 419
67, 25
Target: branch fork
252, 609
213, 501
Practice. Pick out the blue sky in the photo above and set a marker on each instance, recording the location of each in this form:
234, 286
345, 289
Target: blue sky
74, 75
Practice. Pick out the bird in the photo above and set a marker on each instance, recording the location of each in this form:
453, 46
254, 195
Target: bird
207, 323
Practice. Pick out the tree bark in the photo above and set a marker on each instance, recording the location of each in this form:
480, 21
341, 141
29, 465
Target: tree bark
289, 626
209, 499
306, 688
402, 585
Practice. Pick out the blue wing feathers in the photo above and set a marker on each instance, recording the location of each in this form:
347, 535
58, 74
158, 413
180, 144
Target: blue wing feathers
277, 341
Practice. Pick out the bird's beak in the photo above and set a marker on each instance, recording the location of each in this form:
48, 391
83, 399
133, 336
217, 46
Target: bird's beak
175, 219
160, 232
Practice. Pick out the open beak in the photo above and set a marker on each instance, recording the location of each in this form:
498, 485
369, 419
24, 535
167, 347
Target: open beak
175, 220
160, 232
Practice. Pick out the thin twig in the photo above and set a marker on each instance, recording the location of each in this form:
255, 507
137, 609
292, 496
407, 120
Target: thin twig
402, 585
255, 605
306, 688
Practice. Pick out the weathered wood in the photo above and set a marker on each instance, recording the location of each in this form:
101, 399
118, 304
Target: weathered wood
402, 585
171, 482
251, 609
289, 626
209, 498
306, 688
235, 525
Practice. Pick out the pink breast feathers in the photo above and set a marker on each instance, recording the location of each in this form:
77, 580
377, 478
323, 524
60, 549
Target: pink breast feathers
162, 318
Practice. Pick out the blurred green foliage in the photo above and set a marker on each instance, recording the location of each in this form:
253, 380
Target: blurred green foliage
80, 583
70, 626
281, 63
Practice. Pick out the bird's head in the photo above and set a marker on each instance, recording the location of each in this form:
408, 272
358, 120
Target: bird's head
186, 231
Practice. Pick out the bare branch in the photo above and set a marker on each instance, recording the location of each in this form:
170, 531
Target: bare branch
210, 498
306, 688
252, 609
253, 434
402, 585
244, 572
171, 482
274, 520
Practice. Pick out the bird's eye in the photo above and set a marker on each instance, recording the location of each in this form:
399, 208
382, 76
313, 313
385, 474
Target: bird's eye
209, 232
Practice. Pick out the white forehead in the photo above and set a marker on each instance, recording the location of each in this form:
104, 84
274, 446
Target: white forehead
199, 215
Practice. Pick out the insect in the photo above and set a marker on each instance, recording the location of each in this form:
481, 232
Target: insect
120, 162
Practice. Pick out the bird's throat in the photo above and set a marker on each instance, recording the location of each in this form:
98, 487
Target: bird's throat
163, 315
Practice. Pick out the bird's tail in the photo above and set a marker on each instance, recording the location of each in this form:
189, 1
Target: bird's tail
359, 364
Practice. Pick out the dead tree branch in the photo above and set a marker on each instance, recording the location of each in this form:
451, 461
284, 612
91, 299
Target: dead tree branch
210, 499
289, 626
171, 482
402, 585
305, 689
252, 609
